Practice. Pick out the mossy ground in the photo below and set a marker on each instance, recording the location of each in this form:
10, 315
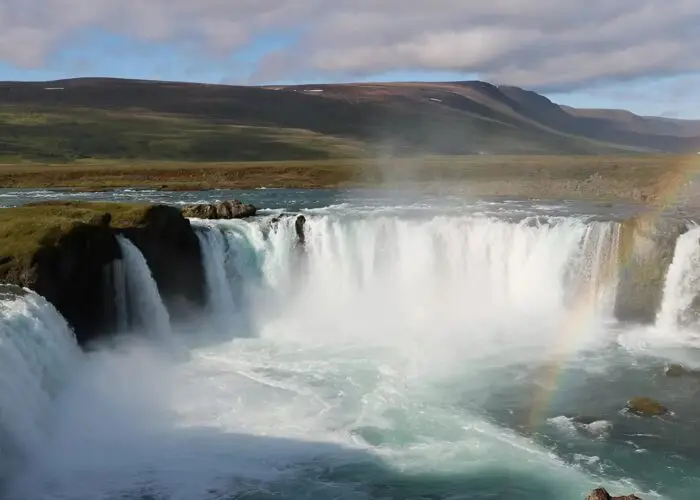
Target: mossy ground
24, 230
66, 134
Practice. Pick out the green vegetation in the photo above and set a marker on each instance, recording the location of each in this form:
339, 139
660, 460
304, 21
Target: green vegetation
95, 134
115, 119
26, 229
61, 135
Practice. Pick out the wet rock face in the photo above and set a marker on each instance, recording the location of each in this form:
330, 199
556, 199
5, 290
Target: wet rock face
171, 248
224, 210
72, 269
675, 370
299, 224
646, 248
602, 494
71, 275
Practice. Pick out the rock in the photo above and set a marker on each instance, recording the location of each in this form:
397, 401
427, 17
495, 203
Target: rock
64, 251
223, 210
299, 224
675, 370
171, 248
646, 407
61, 252
602, 494
645, 251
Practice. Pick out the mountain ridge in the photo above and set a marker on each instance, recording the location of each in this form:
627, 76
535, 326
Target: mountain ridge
112, 118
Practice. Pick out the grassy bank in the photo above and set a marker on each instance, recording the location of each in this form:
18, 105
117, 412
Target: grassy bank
26, 229
642, 178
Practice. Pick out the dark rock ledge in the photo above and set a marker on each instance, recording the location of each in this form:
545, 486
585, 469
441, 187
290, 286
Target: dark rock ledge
602, 494
64, 251
223, 210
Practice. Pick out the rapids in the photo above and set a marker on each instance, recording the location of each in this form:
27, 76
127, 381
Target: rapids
405, 350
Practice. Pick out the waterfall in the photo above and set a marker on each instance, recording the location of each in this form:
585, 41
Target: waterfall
214, 252
682, 285
138, 301
594, 272
232, 255
37, 349
410, 342
410, 268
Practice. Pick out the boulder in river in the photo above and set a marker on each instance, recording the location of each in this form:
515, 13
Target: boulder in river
223, 210
646, 407
675, 370
602, 494
299, 224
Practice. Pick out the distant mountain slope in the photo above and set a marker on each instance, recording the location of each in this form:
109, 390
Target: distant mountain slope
643, 124
117, 118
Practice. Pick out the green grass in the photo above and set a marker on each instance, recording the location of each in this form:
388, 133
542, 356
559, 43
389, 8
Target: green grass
67, 134
26, 229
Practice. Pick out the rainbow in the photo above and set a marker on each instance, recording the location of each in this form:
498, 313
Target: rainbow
665, 193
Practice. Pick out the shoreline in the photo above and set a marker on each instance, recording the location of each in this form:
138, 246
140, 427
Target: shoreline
640, 178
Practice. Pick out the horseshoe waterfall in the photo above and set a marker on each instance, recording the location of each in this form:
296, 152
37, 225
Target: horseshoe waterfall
391, 353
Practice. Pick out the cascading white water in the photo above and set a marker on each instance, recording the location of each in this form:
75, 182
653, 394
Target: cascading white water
682, 286
138, 301
458, 269
37, 350
232, 256
372, 350
593, 273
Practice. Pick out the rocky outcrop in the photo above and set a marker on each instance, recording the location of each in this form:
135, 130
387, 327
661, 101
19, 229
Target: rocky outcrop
223, 210
171, 248
71, 275
646, 248
64, 252
675, 370
646, 407
299, 224
602, 494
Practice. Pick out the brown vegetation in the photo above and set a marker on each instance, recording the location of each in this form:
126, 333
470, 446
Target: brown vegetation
644, 178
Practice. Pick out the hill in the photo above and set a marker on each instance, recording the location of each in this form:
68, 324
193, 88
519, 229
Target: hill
105, 118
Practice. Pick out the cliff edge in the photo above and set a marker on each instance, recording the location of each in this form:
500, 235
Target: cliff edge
63, 251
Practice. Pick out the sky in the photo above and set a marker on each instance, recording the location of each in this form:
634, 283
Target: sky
640, 55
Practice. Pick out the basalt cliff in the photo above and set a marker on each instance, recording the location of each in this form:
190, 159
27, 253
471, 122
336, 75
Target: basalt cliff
63, 251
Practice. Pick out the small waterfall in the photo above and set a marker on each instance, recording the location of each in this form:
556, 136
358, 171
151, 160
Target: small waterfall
231, 251
37, 350
138, 301
682, 286
214, 252
594, 273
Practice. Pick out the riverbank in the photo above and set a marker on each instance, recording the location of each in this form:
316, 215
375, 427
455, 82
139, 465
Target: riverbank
642, 178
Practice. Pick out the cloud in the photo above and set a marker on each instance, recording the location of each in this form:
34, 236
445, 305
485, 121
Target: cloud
541, 44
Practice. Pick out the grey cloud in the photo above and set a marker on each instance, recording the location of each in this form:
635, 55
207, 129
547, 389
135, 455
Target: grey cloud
547, 45
33, 30
542, 44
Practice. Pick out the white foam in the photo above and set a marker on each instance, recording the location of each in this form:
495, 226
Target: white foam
37, 352
138, 292
371, 344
